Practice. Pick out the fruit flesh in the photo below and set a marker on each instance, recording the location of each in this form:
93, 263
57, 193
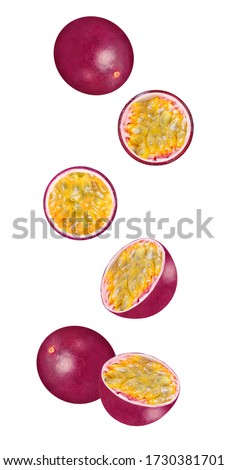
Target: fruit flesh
132, 274
156, 128
140, 378
80, 203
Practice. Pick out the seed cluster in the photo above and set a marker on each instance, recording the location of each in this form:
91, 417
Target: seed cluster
141, 379
80, 203
155, 128
132, 274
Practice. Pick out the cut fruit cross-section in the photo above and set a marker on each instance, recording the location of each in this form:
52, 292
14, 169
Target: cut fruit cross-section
155, 127
80, 203
140, 280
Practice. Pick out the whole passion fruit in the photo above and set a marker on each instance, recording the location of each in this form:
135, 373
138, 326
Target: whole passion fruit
93, 55
155, 127
140, 280
80, 203
69, 362
137, 389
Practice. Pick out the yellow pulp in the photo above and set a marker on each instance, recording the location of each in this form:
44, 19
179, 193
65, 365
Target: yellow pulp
132, 273
80, 203
142, 379
156, 128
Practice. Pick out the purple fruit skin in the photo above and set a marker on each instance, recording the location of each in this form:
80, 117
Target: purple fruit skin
160, 296
72, 371
130, 413
87, 53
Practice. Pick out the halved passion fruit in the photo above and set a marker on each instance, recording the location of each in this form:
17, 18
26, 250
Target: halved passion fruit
137, 389
69, 362
155, 127
80, 203
140, 280
93, 55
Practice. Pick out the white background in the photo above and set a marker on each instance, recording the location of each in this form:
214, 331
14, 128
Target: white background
179, 46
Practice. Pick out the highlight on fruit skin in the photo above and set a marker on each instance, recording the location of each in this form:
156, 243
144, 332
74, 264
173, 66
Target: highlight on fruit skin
80, 203
155, 127
69, 362
140, 280
93, 55
137, 389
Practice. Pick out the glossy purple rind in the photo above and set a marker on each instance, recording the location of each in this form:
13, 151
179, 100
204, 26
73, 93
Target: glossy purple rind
71, 372
93, 55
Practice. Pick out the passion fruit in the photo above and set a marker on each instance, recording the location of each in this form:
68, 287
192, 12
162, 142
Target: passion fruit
155, 127
69, 362
80, 203
93, 55
140, 280
137, 389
